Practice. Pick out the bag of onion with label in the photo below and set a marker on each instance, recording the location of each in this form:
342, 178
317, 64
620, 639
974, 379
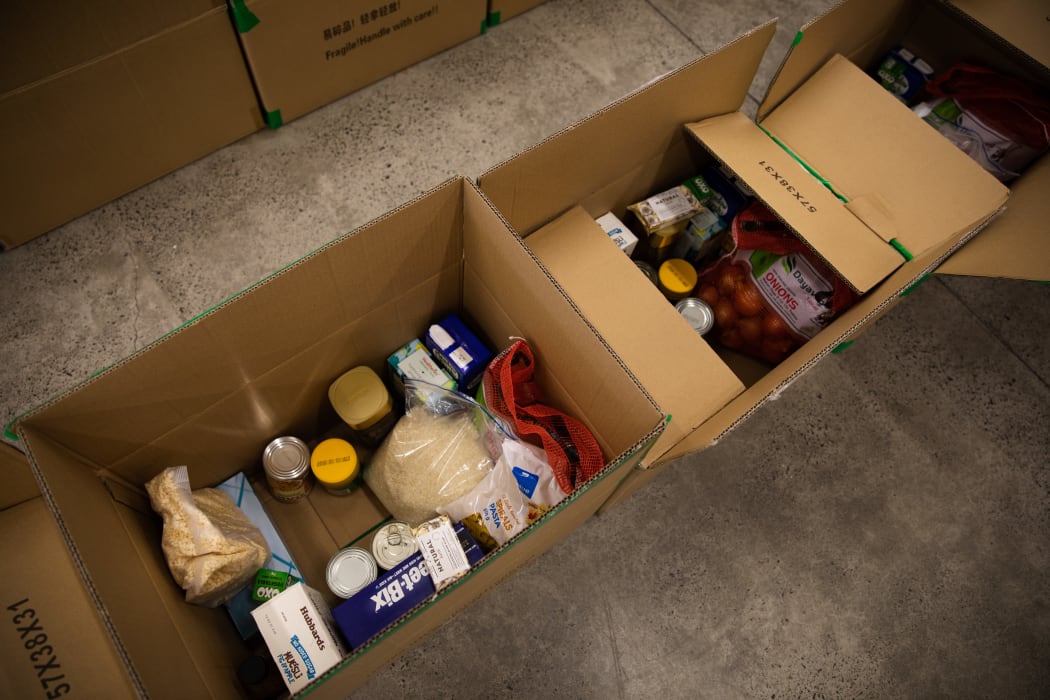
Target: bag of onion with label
769, 292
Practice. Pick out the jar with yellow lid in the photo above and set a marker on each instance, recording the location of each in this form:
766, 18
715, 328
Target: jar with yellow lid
362, 400
676, 278
335, 466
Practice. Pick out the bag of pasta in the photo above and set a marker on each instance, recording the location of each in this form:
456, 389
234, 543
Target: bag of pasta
212, 548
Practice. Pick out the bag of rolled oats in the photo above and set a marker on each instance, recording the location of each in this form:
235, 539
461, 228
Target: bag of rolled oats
212, 549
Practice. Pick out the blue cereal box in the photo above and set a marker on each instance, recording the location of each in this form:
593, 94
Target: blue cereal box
459, 351
372, 609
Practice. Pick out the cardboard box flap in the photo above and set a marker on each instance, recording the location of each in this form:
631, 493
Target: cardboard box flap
857, 29
1024, 24
683, 374
545, 180
1015, 245
19, 483
926, 186
809, 208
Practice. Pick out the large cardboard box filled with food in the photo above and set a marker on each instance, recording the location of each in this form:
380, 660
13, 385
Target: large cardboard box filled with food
105, 98
757, 247
253, 502
304, 56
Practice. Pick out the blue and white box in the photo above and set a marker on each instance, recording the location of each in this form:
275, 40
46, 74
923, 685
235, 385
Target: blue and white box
618, 232
459, 351
369, 611
299, 631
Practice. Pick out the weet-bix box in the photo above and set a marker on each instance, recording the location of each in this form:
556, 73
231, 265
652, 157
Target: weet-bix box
300, 633
408, 584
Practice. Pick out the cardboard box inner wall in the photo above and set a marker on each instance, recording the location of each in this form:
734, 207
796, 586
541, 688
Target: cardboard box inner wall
303, 57
101, 100
689, 119
213, 393
55, 642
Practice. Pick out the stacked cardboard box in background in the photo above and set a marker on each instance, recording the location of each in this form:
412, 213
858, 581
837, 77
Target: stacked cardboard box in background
304, 56
103, 98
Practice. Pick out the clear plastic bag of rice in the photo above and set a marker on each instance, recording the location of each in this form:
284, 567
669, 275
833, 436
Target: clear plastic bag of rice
437, 452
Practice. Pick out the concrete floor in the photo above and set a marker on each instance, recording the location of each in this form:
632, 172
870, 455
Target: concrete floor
879, 531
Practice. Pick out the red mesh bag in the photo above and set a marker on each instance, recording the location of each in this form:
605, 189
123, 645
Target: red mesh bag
770, 294
512, 394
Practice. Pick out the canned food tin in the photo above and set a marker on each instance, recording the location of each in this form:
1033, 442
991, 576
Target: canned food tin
698, 313
286, 461
349, 570
647, 270
393, 543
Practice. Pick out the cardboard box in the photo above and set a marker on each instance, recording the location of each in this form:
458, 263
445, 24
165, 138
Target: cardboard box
912, 201
214, 392
304, 56
108, 97
502, 10
53, 639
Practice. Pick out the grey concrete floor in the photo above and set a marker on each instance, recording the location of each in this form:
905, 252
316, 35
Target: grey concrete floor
881, 530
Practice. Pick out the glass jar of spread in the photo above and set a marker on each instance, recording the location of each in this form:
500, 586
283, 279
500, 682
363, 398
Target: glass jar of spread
362, 400
335, 466
676, 278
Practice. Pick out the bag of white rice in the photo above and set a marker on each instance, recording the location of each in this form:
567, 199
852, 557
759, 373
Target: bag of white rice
436, 453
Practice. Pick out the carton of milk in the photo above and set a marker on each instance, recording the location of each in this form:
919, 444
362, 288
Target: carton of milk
300, 633
618, 232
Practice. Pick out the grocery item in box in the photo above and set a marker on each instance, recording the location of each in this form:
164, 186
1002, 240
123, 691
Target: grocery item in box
903, 73
458, 350
300, 633
413, 361
240, 491
771, 294
701, 238
618, 232
369, 611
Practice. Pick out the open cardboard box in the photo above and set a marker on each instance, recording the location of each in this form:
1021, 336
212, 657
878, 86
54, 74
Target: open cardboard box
214, 392
911, 199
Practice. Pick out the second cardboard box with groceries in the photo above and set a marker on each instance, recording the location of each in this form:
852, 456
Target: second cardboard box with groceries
486, 311
852, 197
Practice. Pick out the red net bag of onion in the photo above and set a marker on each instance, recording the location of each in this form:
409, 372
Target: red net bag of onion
769, 293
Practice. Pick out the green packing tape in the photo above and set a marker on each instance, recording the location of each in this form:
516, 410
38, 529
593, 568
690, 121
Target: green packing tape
842, 346
798, 39
243, 18
484, 26
494, 18
273, 119
9, 430
803, 163
912, 288
901, 249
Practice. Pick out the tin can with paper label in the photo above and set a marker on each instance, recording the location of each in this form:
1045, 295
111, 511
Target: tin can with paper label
286, 462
